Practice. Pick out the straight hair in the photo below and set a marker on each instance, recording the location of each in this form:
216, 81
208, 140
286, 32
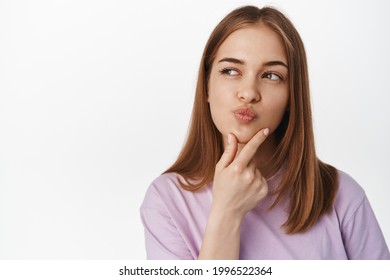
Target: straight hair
308, 183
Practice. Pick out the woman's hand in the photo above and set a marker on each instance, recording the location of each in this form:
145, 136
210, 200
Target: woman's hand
238, 184
238, 187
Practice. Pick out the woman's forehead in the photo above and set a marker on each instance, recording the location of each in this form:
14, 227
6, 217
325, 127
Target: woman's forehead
256, 41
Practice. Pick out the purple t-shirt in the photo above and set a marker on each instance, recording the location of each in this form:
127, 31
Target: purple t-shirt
175, 221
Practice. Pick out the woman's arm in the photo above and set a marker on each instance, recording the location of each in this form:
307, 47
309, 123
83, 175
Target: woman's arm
362, 236
221, 240
237, 188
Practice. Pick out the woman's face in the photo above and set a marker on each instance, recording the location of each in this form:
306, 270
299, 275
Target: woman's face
248, 86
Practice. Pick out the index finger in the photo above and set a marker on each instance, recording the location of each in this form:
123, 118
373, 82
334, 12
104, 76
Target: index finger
251, 147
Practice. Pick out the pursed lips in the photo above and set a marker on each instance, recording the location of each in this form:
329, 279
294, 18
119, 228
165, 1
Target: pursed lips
245, 114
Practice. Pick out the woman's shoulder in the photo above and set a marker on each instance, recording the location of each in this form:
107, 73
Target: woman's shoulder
165, 185
166, 181
167, 190
350, 195
349, 187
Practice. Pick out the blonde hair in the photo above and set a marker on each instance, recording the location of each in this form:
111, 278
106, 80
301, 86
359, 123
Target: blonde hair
310, 183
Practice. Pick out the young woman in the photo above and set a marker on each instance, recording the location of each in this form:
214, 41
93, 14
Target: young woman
247, 183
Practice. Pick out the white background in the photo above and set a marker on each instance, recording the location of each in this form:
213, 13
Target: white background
96, 96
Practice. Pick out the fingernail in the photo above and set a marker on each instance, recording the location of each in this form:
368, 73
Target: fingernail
266, 131
229, 138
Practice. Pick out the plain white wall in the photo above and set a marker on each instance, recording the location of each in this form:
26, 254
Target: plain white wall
95, 99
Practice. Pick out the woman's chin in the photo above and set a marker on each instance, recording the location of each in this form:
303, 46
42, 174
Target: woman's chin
244, 138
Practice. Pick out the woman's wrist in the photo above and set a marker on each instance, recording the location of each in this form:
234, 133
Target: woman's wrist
222, 236
225, 216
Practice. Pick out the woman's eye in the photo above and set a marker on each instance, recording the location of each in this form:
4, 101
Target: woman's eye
229, 72
272, 76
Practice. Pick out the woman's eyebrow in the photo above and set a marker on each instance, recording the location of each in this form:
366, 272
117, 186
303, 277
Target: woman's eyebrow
232, 60
239, 61
275, 62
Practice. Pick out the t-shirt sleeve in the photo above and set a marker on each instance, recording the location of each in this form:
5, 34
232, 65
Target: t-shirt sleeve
362, 236
162, 238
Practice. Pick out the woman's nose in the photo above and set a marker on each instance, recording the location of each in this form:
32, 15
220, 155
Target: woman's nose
249, 92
